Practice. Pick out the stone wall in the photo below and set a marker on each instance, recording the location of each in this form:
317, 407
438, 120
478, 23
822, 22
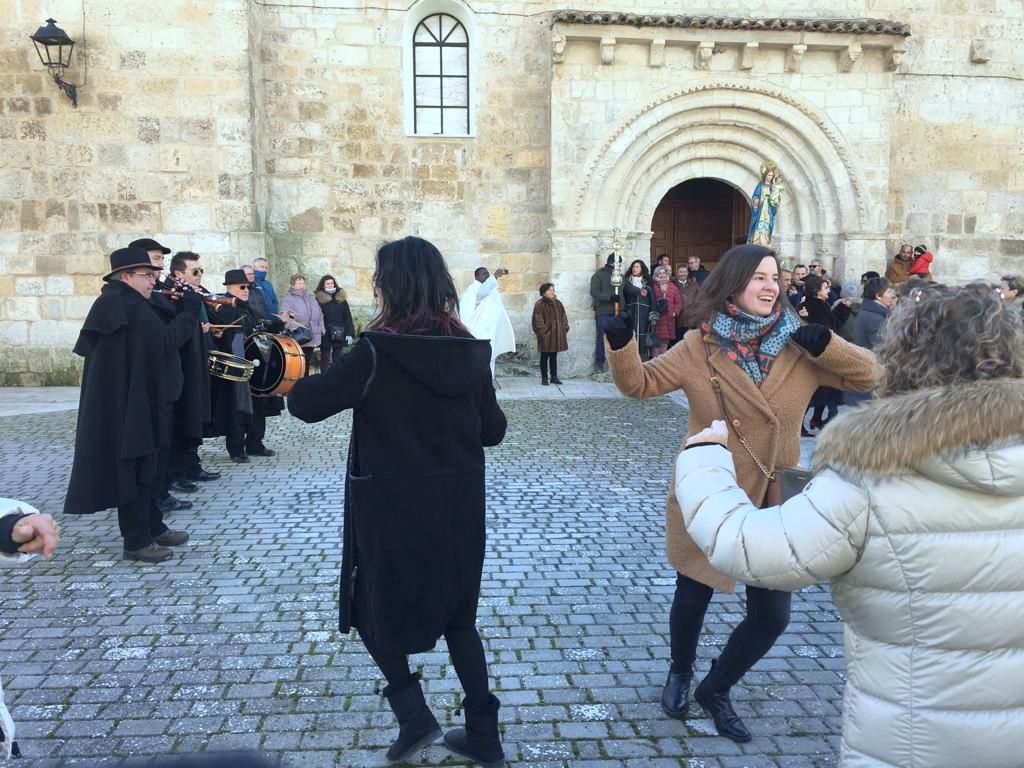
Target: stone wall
234, 128
160, 145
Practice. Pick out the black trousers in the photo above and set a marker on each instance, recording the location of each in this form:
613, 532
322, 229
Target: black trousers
466, 651
330, 353
245, 438
140, 520
549, 359
184, 457
767, 618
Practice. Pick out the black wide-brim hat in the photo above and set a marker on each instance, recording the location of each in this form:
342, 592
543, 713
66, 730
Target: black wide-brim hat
235, 277
149, 244
129, 258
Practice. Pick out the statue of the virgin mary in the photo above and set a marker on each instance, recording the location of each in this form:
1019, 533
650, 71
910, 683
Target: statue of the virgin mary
765, 204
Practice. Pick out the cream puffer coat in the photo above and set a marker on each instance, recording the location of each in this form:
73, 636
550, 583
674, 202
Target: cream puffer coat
916, 513
10, 507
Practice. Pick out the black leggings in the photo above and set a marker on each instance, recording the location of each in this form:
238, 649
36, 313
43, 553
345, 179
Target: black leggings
545, 359
466, 651
767, 618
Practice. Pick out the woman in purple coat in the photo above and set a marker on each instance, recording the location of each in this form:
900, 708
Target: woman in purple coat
307, 313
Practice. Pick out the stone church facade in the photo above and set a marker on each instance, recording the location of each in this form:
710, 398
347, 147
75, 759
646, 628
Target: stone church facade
509, 133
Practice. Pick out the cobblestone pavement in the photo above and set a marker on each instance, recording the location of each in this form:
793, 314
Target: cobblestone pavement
233, 645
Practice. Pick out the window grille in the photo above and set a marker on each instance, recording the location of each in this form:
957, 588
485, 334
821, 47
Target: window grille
440, 64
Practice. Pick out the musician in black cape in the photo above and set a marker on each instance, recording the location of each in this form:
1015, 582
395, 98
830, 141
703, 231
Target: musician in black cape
237, 415
123, 420
423, 409
192, 410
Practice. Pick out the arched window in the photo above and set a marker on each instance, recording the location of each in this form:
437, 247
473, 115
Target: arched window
440, 69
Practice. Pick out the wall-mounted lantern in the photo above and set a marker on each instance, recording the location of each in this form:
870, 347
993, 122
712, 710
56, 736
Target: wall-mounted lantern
54, 48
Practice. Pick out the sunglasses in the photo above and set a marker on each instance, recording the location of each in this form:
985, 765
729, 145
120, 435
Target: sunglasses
198, 271
149, 274
242, 287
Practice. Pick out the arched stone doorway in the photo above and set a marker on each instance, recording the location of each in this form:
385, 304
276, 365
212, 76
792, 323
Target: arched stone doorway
700, 217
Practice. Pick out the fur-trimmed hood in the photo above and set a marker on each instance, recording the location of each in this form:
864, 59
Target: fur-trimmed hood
968, 435
325, 298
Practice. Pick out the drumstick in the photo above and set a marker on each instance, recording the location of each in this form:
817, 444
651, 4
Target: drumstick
229, 325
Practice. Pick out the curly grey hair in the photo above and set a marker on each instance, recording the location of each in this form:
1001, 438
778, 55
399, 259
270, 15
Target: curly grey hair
938, 336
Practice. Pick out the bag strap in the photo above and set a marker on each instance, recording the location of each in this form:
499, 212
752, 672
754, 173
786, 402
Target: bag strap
717, 386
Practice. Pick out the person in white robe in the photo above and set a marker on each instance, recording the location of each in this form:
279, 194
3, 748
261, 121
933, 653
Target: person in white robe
484, 314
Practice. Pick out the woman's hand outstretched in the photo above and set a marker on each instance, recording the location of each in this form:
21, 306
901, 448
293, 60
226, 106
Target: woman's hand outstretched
718, 432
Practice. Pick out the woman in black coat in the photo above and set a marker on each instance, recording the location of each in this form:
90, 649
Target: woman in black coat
423, 410
817, 310
639, 303
338, 326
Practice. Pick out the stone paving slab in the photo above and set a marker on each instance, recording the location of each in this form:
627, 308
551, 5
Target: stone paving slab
233, 645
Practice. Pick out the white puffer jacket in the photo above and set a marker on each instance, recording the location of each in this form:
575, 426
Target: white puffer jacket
916, 513
10, 507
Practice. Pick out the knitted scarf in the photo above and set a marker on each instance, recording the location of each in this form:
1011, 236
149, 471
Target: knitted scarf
735, 330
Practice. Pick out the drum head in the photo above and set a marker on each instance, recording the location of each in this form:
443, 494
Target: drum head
263, 351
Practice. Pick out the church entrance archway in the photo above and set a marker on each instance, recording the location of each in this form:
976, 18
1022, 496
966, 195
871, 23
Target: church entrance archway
702, 218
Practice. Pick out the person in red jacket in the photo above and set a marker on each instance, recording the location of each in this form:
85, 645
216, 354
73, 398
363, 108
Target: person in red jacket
922, 263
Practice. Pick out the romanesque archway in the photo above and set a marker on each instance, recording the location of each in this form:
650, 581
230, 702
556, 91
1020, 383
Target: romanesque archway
724, 130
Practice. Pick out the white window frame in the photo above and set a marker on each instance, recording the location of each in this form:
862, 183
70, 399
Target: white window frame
417, 14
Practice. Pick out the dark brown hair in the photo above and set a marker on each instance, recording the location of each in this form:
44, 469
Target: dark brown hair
415, 289
729, 277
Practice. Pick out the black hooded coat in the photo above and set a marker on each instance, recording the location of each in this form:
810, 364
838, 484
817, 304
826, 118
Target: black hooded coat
414, 531
122, 413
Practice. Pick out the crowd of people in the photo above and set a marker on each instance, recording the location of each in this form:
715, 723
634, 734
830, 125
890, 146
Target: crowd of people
914, 512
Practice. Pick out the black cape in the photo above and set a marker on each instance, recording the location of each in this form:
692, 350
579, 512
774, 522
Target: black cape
225, 395
122, 414
414, 532
192, 411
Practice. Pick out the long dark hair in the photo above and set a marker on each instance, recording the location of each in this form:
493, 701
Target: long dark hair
414, 289
339, 295
729, 277
644, 272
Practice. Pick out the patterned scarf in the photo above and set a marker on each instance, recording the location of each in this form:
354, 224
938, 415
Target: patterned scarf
735, 329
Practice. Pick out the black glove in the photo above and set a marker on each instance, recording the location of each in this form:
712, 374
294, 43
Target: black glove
613, 298
618, 332
191, 301
813, 338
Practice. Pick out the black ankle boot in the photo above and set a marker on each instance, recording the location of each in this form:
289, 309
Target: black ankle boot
417, 727
713, 695
479, 740
675, 696
544, 380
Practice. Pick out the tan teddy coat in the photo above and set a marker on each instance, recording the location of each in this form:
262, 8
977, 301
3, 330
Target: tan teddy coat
769, 416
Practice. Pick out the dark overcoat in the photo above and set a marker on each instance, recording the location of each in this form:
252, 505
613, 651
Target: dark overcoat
869, 323
122, 413
550, 325
414, 531
336, 313
225, 394
192, 410
638, 304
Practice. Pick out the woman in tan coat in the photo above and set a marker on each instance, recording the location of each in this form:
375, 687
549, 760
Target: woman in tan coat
550, 325
768, 365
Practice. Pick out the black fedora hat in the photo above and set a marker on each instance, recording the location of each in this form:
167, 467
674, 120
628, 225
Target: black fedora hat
149, 244
235, 277
129, 258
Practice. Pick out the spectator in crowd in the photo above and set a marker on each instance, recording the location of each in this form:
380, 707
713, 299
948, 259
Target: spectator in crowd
664, 260
338, 325
551, 326
878, 300
817, 310
1010, 290
922, 263
916, 514
681, 282
796, 294
266, 288
696, 275
898, 270
766, 365
639, 305
306, 313
603, 297
846, 330
23, 533
668, 304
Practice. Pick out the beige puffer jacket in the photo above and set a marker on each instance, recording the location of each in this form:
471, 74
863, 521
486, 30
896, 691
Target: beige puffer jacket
916, 513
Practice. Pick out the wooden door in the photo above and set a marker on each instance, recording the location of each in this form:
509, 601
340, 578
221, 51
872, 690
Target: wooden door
702, 218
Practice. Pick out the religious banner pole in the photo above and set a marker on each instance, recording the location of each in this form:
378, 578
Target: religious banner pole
617, 267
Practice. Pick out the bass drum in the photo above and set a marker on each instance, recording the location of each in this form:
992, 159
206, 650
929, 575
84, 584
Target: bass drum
278, 362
